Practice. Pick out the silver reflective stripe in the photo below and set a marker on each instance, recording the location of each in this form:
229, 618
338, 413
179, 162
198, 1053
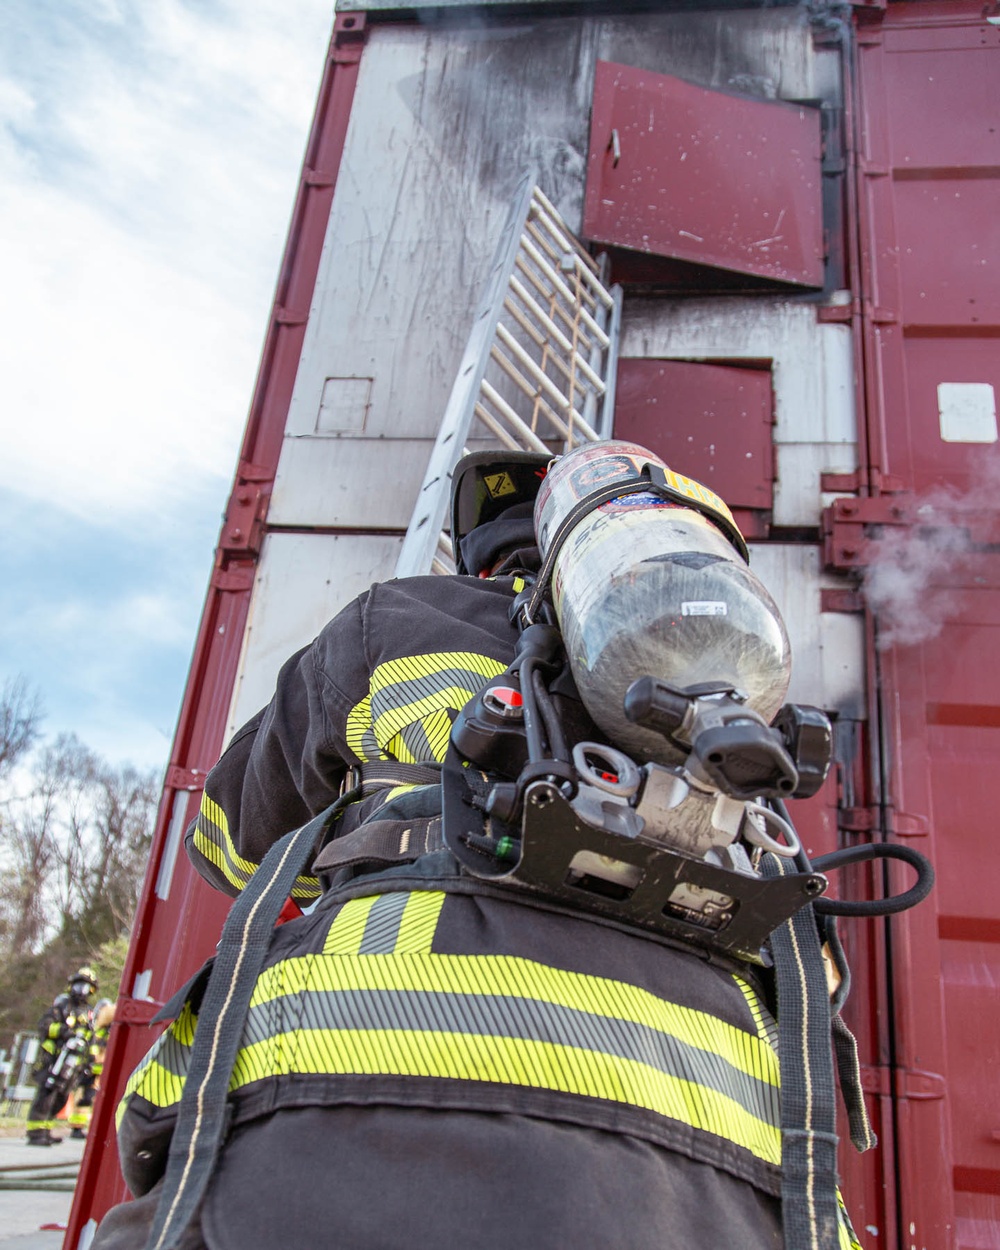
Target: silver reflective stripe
534, 1020
382, 927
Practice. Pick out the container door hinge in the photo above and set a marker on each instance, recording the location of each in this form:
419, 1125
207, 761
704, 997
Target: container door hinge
904, 1082
912, 1083
875, 1079
871, 819
850, 526
866, 480
349, 33
840, 599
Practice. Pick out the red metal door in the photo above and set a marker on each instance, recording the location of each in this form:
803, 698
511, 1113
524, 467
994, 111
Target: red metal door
929, 163
711, 421
724, 181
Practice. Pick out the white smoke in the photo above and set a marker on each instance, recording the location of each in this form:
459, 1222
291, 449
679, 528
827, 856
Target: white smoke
913, 581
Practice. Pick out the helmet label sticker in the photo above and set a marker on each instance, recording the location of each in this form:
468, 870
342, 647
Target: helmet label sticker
499, 484
705, 607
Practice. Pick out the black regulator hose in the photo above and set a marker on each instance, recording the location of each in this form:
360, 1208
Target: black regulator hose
879, 906
861, 854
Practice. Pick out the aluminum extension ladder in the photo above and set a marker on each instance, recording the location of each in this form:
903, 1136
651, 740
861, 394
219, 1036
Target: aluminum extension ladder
538, 373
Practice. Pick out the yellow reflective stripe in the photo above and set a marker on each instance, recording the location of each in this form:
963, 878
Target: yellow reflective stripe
398, 717
414, 667
159, 1086
212, 840
345, 933
395, 791
504, 1020
694, 490
513, 977
508, 1061
405, 713
419, 922
767, 1029
160, 1076
846, 1236
358, 731
437, 727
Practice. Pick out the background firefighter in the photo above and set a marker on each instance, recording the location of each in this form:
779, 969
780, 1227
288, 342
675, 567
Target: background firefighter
81, 1101
431, 1060
65, 1034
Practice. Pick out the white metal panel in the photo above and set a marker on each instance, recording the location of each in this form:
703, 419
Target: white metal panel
446, 119
815, 426
828, 648
349, 483
416, 216
766, 52
302, 581
967, 412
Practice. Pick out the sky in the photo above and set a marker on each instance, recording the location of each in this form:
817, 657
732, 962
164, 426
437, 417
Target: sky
149, 159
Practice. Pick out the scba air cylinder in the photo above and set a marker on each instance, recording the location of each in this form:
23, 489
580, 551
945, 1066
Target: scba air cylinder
645, 584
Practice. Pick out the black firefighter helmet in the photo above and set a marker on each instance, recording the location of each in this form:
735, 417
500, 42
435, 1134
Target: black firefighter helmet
493, 493
82, 985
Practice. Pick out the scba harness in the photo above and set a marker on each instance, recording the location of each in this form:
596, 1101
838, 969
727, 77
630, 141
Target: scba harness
510, 829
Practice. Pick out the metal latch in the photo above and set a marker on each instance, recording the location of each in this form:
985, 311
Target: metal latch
846, 522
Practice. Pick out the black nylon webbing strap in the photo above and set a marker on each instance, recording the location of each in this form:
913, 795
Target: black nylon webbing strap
383, 843
379, 773
651, 479
202, 1111
809, 1208
845, 1047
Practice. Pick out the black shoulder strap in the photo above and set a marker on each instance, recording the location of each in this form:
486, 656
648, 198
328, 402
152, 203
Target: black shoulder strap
202, 1112
809, 1206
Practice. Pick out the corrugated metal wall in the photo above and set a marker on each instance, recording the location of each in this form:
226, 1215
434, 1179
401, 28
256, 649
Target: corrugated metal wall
929, 163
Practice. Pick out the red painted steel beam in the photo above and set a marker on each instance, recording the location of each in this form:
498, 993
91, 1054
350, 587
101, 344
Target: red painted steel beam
179, 917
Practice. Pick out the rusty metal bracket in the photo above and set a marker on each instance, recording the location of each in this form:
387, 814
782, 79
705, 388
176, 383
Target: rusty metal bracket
135, 1010
350, 30
247, 508
847, 526
840, 599
875, 1079
178, 778
236, 579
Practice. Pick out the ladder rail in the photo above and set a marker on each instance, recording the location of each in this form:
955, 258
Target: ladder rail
546, 331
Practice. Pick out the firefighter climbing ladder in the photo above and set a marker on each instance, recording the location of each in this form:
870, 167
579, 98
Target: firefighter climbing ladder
538, 372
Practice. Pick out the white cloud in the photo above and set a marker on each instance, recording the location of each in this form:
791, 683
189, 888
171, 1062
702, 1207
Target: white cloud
149, 153
149, 157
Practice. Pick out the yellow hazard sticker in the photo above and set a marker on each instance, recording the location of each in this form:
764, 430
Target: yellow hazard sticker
499, 484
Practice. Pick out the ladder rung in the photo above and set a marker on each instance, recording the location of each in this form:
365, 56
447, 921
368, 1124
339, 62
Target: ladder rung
529, 439
536, 309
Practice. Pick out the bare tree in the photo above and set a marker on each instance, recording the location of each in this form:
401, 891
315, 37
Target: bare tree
73, 849
26, 846
75, 833
20, 715
122, 808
